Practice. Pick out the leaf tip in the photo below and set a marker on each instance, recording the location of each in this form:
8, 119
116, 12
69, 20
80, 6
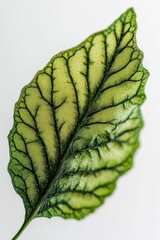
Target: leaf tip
131, 9
130, 16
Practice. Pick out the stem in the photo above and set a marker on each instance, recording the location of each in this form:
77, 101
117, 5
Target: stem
25, 224
29, 219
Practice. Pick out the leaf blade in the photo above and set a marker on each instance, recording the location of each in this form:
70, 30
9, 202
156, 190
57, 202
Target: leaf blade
77, 124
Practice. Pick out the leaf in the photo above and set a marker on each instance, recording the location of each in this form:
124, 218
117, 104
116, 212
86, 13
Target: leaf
76, 125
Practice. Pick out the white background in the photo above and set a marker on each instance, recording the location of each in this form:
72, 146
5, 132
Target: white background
31, 32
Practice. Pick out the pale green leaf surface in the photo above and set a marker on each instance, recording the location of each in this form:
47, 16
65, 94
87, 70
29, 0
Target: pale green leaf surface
76, 125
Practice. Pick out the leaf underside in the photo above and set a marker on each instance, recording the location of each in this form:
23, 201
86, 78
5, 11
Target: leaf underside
76, 124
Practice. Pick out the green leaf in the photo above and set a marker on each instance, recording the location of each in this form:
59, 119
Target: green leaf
76, 125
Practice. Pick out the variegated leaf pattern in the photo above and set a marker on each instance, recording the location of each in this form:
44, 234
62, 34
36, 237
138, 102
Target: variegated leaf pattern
76, 125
